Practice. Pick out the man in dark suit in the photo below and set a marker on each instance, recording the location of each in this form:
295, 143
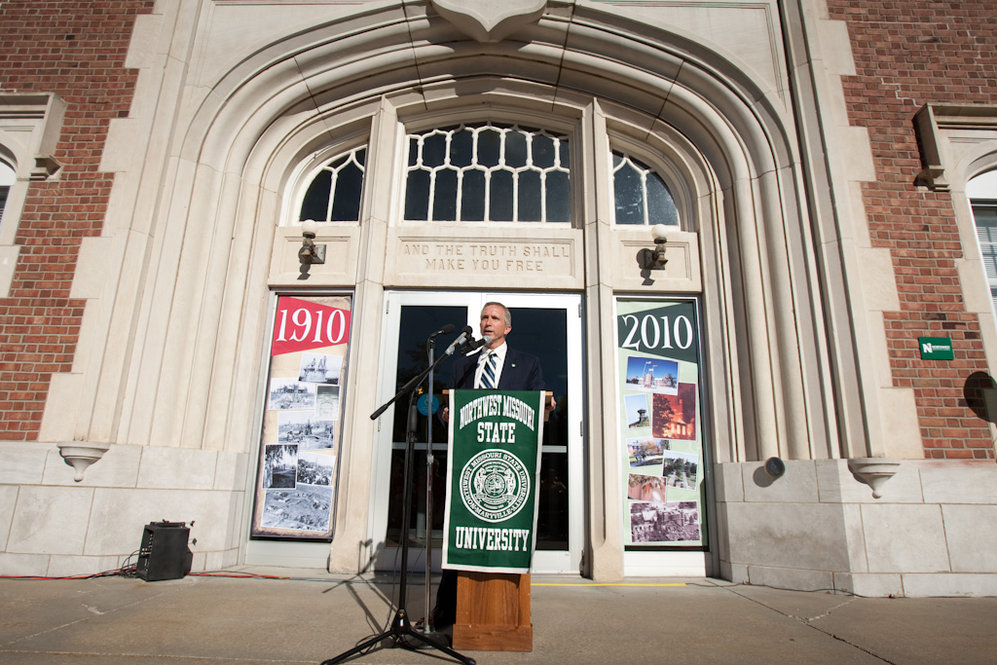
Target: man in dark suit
511, 369
494, 367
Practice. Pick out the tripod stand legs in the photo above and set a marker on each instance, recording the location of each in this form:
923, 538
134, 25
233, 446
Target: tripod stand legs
402, 634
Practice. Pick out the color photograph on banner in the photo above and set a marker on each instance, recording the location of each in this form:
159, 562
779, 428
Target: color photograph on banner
296, 482
660, 438
493, 472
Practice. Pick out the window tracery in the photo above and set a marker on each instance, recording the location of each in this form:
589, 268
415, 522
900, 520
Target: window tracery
488, 172
335, 191
640, 195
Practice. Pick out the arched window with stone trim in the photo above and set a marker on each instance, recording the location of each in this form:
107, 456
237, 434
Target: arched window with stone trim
488, 172
640, 195
6, 182
982, 193
335, 191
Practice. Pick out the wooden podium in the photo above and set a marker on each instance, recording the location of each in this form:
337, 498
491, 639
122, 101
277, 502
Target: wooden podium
493, 612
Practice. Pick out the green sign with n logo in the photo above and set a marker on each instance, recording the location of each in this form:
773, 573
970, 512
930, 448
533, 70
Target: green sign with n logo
492, 476
936, 348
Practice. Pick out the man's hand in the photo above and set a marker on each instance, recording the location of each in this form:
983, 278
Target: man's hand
549, 406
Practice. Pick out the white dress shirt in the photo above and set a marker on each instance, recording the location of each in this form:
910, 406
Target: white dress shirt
482, 357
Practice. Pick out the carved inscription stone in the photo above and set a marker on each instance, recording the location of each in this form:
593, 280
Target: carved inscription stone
500, 258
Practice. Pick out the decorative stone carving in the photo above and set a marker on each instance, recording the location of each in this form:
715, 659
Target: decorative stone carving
81, 454
45, 167
941, 125
490, 20
873, 471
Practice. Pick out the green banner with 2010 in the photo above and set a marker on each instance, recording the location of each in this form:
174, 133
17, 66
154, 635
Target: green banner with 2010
492, 478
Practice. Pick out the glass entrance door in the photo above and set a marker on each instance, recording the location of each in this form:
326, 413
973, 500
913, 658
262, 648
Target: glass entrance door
544, 325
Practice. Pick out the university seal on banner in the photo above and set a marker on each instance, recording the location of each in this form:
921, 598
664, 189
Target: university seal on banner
494, 485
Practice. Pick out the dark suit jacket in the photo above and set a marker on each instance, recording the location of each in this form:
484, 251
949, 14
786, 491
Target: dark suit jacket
521, 371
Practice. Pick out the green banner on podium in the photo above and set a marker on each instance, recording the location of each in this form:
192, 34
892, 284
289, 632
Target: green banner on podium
492, 478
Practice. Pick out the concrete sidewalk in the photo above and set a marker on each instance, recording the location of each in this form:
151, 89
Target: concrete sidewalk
311, 617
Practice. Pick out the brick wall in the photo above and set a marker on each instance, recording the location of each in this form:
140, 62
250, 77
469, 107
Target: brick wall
908, 54
76, 50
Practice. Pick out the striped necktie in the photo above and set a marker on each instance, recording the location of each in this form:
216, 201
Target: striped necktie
488, 381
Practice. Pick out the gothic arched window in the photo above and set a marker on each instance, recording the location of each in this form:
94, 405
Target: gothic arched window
488, 172
640, 195
335, 190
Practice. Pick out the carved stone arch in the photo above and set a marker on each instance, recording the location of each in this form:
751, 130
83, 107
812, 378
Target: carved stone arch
227, 171
983, 163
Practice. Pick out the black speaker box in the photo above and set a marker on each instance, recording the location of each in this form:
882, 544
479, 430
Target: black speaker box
164, 554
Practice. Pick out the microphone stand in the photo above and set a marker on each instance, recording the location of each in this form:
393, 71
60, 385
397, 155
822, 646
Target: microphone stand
401, 631
431, 344
413, 382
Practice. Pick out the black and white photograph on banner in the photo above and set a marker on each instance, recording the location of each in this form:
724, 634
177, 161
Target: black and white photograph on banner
681, 470
320, 368
327, 402
307, 508
315, 468
675, 521
288, 395
659, 375
637, 411
280, 467
305, 430
646, 452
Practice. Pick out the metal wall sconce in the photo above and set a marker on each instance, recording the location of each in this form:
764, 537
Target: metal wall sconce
654, 259
310, 253
659, 233
775, 467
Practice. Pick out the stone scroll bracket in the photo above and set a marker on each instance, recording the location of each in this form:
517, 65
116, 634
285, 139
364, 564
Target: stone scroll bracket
938, 127
81, 454
489, 20
874, 472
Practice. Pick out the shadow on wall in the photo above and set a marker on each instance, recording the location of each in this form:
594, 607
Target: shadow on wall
766, 474
980, 393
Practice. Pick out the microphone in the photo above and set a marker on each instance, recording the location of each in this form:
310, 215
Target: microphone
461, 340
478, 343
449, 328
